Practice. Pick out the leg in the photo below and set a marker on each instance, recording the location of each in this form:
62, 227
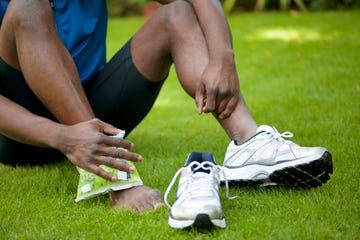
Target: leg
34, 48
17, 154
120, 90
36, 84
120, 95
14, 87
173, 34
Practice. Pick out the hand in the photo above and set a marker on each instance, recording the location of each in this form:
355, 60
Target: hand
218, 91
88, 145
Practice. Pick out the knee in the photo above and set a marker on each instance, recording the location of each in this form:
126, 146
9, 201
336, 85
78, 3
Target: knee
182, 11
177, 13
32, 15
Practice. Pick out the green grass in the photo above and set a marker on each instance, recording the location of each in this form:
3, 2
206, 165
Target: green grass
298, 73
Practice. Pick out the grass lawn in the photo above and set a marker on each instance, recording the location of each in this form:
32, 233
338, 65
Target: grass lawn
298, 73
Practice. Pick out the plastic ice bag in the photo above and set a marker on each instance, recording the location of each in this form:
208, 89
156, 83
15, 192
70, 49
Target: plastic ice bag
91, 185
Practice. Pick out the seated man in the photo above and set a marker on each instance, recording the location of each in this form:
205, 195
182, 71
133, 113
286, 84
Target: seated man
59, 98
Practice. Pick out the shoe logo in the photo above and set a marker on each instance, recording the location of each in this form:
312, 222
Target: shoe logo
266, 154
266, 160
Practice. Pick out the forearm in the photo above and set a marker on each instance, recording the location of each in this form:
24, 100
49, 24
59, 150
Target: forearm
218, 91
21, 125
83, 143
215, 27
46, 64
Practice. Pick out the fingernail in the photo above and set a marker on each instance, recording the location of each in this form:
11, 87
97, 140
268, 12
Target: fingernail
114, 178
140, 158
132, 169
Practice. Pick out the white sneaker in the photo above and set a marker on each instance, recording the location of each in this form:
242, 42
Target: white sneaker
197, 203
268, 159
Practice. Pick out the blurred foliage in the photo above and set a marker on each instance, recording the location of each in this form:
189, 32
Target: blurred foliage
124, 8
333, 4
136, 7
228, 5
313, 5
284, 5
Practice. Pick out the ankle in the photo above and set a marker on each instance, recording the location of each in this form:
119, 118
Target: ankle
241, 137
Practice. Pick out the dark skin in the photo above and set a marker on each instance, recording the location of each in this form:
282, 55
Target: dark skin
193, 35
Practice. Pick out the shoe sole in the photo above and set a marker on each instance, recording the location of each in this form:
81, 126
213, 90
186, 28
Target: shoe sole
298, 173
310, 175
201, 221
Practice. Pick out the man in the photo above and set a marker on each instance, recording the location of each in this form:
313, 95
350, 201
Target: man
60, 98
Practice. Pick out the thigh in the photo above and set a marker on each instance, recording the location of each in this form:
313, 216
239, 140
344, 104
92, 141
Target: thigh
17, 154
14, 87
121, 95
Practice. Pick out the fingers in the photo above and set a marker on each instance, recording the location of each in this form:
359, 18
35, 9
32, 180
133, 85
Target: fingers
210, 104
123, 154
110, 162
105, 127
118, 164
117, 142
200, 98
111, 157
227, 108
205, 99
89, 146
220, 103
101, 172
118, 148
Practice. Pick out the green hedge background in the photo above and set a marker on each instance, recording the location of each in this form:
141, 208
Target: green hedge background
122, 8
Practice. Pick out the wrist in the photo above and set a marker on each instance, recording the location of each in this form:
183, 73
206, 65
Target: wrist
56, 136
226, 56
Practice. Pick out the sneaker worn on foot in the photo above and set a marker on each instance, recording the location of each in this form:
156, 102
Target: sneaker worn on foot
268, 159
197, 202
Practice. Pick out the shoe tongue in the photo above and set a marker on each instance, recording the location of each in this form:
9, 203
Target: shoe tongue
200, 157
264, 128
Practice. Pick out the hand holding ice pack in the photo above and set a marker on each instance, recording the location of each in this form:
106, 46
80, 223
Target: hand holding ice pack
91, 185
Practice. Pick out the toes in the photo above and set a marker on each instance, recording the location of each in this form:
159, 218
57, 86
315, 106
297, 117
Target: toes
140, 199
153, 201
157, 199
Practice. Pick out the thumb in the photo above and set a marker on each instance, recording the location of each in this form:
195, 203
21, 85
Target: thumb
107, 128
200, 98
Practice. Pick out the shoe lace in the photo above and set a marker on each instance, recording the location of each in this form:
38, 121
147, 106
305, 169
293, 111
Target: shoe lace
197, 166
281, 136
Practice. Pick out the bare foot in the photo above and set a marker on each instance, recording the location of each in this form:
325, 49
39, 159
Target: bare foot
140, 199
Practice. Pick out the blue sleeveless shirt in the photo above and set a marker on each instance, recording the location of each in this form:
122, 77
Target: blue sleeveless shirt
82, 26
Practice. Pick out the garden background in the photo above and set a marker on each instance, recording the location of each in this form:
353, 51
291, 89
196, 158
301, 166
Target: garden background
299, 71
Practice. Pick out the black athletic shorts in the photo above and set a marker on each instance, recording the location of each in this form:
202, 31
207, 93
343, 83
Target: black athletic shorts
119, 95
